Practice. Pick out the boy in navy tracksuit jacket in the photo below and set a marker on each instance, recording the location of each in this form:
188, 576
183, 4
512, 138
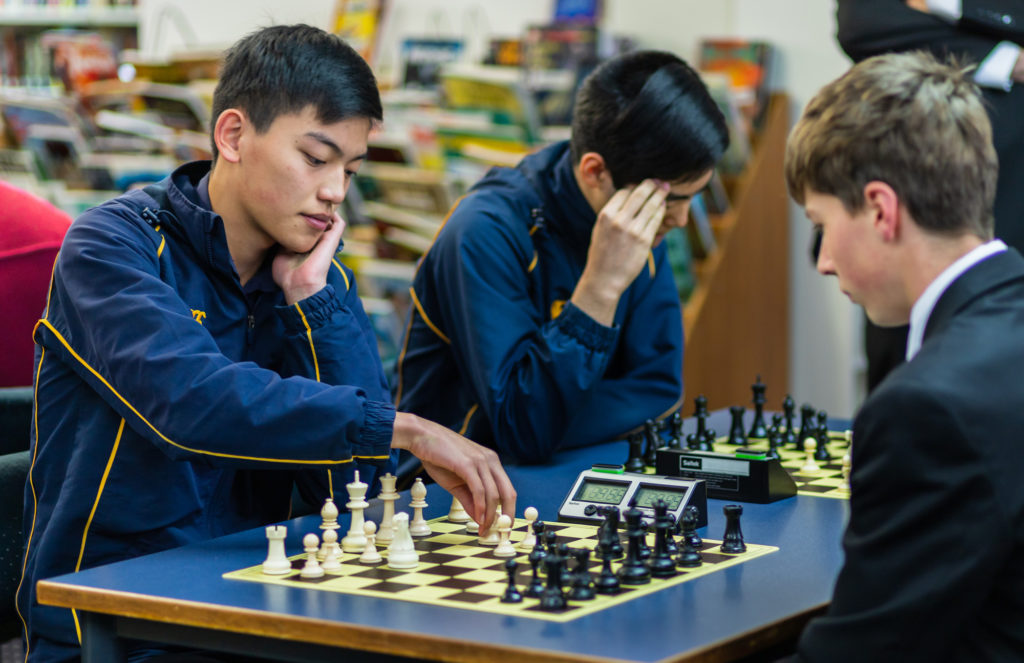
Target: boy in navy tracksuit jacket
202, 349
545, 314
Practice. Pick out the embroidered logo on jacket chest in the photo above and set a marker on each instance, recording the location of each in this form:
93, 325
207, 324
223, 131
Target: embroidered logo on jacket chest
198, 315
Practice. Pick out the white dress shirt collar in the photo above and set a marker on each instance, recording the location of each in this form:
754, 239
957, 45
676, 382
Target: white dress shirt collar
924, 305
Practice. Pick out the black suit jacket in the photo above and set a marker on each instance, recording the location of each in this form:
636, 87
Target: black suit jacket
934, 566
870, 27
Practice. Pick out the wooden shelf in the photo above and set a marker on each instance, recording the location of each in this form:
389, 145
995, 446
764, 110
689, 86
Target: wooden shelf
737, 319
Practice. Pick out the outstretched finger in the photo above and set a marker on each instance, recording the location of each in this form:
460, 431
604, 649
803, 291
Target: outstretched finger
638, 198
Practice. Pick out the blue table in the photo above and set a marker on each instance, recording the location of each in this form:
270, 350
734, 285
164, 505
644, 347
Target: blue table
179, 596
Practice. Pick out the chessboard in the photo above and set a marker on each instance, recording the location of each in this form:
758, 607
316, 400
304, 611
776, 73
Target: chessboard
455, 571
826, 482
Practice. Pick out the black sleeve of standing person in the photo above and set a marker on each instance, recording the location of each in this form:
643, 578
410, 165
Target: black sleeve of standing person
871, 27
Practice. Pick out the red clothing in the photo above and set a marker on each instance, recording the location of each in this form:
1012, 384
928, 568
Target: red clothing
31, 231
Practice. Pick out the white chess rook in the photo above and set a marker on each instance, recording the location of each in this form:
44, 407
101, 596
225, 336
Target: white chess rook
277, 562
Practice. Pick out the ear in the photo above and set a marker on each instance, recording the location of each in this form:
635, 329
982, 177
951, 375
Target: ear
594, 173
883, 205
227, 134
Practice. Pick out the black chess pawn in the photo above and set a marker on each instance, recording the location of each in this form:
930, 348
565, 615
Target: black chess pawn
553, 597
775, 434
689, 556
607, 582
732, 540
737, 435
511, 594
806, 425
582, 581
789, 413
633, 570
821, 452
661, 563
635, 461
652, 436
675, 427
536, 587
757, 428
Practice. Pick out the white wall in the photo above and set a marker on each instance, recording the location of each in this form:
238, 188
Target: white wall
826, 357
825, 345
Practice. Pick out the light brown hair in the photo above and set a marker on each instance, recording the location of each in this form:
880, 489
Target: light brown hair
910, 121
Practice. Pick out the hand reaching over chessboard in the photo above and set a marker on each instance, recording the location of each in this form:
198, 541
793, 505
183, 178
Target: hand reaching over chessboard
470, 472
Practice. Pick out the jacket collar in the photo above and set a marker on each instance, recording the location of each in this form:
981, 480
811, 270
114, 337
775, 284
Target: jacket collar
565, 209
989, 274
192, 217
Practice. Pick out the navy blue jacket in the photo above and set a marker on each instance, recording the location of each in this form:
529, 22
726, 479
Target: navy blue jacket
173, 405
494, 350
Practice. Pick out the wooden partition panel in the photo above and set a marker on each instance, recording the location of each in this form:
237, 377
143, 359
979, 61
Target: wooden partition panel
737, 320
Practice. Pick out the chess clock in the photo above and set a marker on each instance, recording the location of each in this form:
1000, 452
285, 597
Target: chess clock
744, 475
611, 486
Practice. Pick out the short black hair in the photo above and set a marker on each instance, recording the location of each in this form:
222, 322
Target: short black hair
648, 114
285, 68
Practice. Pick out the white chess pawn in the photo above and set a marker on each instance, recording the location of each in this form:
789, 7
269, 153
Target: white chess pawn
418, 526
329, 520
490, 537
355, 540
457, 513
388, 495
312, 569
276, 563
847, 467
505, 547
331, 561
402, 552
529, 539
810, 445
472, 527
370, 554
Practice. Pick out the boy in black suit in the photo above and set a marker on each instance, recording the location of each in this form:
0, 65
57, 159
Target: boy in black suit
895, 167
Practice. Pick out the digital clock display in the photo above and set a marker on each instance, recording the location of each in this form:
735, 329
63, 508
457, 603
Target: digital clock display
648, 495
601, 492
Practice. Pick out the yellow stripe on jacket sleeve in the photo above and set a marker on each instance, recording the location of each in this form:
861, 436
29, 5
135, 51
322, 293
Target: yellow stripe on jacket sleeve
217, 454
309, 335
650, 263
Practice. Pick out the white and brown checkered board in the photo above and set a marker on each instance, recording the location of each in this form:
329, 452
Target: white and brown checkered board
456, 571
826, 482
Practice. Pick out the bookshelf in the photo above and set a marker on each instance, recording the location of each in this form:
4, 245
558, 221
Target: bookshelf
68, 17
737, 319
26, 61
